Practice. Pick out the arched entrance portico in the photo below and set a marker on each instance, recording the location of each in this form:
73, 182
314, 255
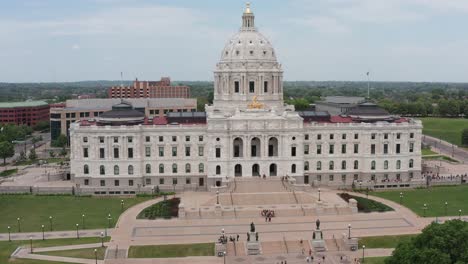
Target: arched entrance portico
273, 169
238, 170
255, 170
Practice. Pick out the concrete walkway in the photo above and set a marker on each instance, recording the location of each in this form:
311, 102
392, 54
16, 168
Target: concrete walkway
56, 234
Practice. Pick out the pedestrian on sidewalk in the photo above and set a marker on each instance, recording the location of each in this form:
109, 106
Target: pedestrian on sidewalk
237, 237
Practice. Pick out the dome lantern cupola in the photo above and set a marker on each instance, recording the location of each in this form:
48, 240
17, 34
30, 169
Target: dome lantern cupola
248, 19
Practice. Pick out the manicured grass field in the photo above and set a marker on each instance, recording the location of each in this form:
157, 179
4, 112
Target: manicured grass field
383, 241
66, 211
448, 129
7, 248
87, 253
427, 151
171, 251
439, 157
374, 260
7, 173
434, 197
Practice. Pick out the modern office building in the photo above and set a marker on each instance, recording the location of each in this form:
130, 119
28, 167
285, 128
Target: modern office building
150, 89
24, 113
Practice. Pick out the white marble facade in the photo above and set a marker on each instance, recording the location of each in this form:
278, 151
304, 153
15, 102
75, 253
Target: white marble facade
237, 141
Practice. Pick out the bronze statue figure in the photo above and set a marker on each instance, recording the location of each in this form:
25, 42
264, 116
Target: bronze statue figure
317, 224
252, 227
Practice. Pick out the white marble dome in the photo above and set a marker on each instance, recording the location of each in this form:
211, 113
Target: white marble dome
248, 45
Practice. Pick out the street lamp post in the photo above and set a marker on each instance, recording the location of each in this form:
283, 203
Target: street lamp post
121, 205
30, 239
83, 221
102, 239
224, 256
19, 224
319, 194
217, 197
43, 235
77, 232
401, 198
349, 231
173, 189
95, 255
424, 208
459, 214
446, 208
50, 221
109, 221
363, 248
9, 234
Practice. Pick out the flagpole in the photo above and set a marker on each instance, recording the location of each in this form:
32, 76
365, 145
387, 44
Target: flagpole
368, 86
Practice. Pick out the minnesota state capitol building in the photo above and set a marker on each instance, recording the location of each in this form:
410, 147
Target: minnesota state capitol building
248, 131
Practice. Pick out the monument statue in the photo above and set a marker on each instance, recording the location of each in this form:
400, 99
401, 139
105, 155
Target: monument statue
317, 224
248, 237
255, 104
252, 227
256, 236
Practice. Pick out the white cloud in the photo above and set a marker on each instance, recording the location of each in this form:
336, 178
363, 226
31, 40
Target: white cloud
323, 24
75, 47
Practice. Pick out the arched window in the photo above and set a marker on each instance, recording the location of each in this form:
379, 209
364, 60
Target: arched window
373, 165
273, 147
293, 168
218, 170
161, 168
398, 164
356, 164
238, 147
148, 168
187, 168
86, 169
255, 147
102, 170
174, 168
385, 165
201, 168
306, 166
116, 170
411, 163
331, 165
130, 170
319, 165
343, 165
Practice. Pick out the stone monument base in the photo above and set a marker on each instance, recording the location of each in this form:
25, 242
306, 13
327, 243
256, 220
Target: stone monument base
220, 249
252, 246
317, 241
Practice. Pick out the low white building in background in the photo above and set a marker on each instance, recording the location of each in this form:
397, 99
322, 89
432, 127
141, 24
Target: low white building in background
247, 132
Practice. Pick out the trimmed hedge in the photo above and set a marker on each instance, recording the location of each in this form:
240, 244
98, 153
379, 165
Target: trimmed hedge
164, 209
366, 205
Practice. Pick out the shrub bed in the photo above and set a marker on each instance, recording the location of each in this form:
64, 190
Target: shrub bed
366, 205
164, 209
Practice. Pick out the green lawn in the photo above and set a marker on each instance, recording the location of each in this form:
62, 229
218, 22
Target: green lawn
7, 173
439, 157
366, 205
171, 251
87, 253
448, 129
434, 197
6, 248
66, 211
374, 260
383, 241
427, 151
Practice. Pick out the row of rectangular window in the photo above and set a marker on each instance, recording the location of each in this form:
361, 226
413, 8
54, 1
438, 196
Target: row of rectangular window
147, 139
116, 153
356, 136
147, 182
130, 169
331, 177
331, 165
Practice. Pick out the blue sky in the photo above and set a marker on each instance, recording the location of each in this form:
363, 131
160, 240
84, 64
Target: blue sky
71, 40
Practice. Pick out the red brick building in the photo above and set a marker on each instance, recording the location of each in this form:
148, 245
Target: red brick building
24, 113
150, 89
